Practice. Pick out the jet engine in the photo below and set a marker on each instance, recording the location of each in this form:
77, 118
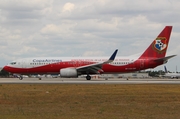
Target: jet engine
68, 72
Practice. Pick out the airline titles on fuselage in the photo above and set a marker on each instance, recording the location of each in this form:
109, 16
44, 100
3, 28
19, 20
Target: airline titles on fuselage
46, 60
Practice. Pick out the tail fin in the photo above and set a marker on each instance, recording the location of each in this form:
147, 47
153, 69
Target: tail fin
165, 69
158, 47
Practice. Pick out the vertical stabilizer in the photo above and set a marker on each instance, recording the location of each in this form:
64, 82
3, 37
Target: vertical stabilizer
158, 47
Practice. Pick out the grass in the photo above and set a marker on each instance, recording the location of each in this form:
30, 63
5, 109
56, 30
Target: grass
89, 101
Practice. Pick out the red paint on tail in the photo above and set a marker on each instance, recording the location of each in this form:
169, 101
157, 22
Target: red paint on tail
158, 47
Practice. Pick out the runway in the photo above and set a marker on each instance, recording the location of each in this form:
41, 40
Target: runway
84, 81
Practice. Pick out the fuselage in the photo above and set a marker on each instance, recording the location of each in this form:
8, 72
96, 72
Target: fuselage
53, 65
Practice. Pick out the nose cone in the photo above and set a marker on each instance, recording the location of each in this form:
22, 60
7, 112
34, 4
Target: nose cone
5, 68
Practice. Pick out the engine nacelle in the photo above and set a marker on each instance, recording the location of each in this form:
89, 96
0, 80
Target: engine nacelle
68, 72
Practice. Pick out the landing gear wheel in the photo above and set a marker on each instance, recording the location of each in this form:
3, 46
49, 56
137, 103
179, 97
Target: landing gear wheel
88, 77
20, 77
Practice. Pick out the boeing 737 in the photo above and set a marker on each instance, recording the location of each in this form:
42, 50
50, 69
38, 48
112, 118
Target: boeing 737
171, 75
70, 67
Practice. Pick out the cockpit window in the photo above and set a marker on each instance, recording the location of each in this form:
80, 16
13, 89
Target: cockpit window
13, 63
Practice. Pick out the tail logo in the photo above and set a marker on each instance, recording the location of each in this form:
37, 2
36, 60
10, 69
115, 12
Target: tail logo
160, 44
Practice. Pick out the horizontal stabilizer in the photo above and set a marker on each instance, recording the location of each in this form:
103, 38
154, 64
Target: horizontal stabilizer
165, 58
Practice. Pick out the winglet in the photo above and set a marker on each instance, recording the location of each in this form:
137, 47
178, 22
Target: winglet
113, 55
111, 59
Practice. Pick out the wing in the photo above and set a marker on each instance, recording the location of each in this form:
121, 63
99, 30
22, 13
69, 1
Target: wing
96, 68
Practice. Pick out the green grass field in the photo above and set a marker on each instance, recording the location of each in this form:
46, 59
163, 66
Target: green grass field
89, 101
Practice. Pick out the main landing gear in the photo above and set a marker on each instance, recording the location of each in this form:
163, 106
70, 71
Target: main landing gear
88, 77
20, 77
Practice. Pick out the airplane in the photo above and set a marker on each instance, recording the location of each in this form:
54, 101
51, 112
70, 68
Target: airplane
72, 67
171, 75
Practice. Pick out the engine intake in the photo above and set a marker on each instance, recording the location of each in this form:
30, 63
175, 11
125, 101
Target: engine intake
68, 72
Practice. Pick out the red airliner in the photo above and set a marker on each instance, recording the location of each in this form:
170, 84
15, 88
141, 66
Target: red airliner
70, 67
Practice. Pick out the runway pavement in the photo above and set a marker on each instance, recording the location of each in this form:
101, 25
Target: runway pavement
84, 81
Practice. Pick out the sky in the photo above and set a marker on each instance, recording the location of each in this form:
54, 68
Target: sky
60, 28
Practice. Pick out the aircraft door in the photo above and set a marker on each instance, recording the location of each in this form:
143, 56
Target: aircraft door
141, 64
24, 66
